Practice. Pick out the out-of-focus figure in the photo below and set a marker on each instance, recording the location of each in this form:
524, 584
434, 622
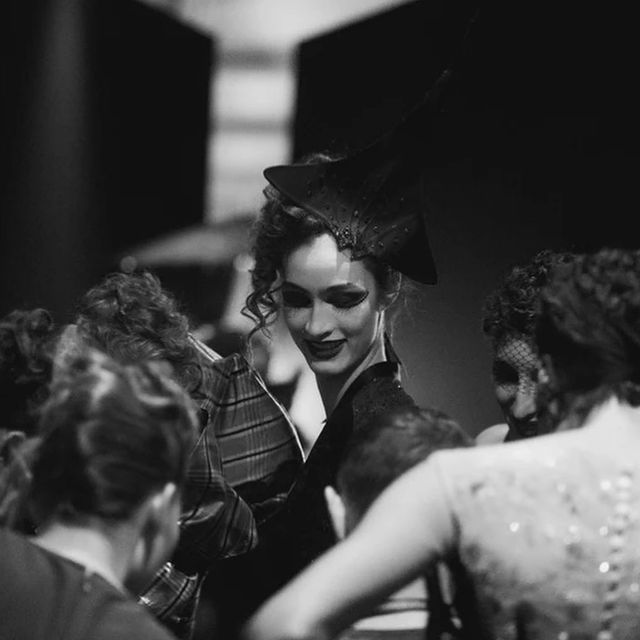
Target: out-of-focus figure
105, 494
509, 322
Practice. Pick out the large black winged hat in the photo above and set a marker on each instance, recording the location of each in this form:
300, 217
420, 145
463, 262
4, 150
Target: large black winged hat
374, 200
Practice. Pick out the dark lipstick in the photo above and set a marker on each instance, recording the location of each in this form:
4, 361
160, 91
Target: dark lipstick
325, 349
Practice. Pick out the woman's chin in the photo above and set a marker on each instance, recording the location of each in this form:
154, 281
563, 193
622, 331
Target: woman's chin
327, 367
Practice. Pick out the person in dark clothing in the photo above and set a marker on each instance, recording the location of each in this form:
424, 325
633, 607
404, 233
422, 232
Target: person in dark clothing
331, 247
388, 446
105, 496
247, 451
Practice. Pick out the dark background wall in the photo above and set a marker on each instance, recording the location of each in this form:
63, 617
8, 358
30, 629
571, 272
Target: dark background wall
104, 114
104, 138
535, 145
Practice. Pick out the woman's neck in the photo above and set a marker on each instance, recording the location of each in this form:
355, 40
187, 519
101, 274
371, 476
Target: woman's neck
100, 553
332, 388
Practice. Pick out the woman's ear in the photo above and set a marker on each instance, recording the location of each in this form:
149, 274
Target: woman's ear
387, 300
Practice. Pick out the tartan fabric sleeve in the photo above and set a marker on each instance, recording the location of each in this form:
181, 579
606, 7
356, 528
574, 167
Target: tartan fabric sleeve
215, 523
259, 446
241, 469
173, 599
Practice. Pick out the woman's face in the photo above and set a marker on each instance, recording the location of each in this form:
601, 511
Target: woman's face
331, 306
516, 374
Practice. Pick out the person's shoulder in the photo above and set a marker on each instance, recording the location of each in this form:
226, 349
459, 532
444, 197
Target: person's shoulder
7, 536
126, 619
378, 392
17, 549
447, 460
466, 464
520, 456
495, 434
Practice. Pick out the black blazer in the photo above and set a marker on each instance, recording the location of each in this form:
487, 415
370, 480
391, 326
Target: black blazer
302, 530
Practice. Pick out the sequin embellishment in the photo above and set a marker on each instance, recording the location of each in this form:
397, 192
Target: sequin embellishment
616, 534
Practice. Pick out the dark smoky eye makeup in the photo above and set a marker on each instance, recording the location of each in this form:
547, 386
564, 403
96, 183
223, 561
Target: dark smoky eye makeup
504, 373
347, 299
294, 297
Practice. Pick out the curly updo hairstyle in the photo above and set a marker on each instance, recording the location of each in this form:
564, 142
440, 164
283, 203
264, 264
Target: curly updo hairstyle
513, 307
589, 327
281, 228
132, 318
111, 436
26, 345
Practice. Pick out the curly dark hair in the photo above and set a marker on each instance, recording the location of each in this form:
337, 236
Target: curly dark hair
132, 318
589, 327
17, 452
26, 344
280, 229
390, 444
111, 435
513, 307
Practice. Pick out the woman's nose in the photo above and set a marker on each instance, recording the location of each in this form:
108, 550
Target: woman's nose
319, 323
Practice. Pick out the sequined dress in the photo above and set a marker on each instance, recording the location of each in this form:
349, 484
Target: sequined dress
545, 533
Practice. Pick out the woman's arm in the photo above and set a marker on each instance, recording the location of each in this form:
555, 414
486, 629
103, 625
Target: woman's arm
406, 529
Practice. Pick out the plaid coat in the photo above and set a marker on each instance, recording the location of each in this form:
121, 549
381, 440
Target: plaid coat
240, 471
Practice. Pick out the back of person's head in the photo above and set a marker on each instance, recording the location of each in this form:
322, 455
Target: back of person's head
26, 342
112, 435
589, 333
512, 308
132, 318
388, 446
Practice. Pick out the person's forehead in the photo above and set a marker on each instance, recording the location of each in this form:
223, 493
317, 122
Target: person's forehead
319, 264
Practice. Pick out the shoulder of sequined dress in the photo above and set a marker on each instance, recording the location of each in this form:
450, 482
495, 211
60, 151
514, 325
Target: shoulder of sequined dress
547, 533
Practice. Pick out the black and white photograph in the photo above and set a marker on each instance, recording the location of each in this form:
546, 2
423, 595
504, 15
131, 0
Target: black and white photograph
319, 320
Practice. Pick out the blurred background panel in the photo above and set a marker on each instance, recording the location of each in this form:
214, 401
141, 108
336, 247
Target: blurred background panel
104, 122
356, 81
134, 134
